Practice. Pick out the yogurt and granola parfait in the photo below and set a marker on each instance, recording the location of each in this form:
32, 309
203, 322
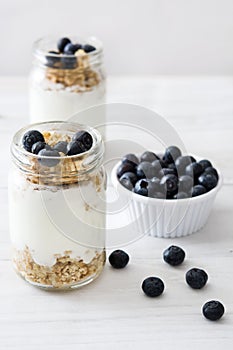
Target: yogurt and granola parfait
67, 77
57, 204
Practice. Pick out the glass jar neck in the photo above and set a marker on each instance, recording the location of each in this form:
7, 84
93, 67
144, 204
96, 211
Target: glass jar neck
46, 55
66, 169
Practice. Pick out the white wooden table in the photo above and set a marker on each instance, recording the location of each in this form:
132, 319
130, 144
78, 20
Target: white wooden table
112, 312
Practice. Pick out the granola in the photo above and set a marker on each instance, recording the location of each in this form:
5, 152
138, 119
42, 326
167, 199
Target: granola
65, 272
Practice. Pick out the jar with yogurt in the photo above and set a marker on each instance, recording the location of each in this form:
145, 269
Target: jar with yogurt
57, 211
67, 77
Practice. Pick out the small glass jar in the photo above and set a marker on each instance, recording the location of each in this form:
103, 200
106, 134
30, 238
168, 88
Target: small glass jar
62, 85
57, 210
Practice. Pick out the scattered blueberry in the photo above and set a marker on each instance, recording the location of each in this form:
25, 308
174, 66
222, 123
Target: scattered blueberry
213, 310
209, 181
118, 259
196, 278
31, 137
141, 187
174, 255
38, 146
171, 154
88, 48
61, 146
148, 157
84, 137
205, 163
62, 43
51, 157
198, 190
75, 147
153, 286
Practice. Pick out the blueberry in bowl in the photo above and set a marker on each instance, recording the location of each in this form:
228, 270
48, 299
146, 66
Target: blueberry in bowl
172, 193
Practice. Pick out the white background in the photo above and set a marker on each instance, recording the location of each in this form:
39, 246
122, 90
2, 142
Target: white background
140, 36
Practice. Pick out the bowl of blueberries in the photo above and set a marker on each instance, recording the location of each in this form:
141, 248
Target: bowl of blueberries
170, 194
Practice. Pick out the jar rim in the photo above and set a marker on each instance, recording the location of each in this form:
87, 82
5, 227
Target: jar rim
97, 147
41, 47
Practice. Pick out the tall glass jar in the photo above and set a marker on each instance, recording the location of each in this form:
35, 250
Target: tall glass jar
57, 210
62, 85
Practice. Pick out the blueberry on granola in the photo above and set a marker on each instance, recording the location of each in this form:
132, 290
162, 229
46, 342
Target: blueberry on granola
174, 255
88, 48
75, 147
118, 259
196, 278
153, 286
61, 44
70, 49
61, 146
50, 158
213, 310
84, 137
38, 146
31, 137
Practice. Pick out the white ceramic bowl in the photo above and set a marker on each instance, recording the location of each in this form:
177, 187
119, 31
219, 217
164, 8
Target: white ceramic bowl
167, 218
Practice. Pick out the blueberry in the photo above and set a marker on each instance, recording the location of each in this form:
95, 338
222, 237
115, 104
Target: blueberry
145, 169
153, 286
167, 171
154, 186
84, 137
158, 164
53, 60
171, 154
88, 48
196, 278
132, 177
75, 147
70, 49
31, 137
148, 157
205, 163
194, 170
141, 187
211, 170
198, 190
38, 146
174, 255
170, 182
181, 195
130, 158
52, 157
213, 310
118, 259
62, 43
209, 181
126, 183
61, 146
193, 160
124, 168
185, 183
181, 163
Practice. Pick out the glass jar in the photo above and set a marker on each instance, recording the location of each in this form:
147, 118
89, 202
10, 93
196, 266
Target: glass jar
62, 85
57, 210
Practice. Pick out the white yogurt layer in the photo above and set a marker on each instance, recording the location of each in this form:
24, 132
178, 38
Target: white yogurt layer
51, 101
49, 222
